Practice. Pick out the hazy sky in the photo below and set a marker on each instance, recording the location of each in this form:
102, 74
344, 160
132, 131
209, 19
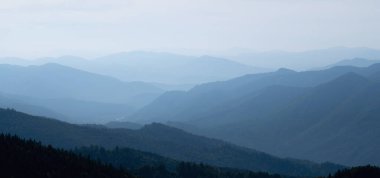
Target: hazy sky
32, 28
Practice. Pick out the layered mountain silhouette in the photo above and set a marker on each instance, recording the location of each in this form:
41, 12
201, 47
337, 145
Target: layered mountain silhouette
159, 139
328, 114
318, 115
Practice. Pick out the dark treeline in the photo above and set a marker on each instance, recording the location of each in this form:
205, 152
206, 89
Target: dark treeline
26, 158
148, 165
192, 170
127, 158
358, 172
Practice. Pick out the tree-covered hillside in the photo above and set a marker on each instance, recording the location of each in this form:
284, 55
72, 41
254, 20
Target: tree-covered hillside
358, 172
147, 165
26, 158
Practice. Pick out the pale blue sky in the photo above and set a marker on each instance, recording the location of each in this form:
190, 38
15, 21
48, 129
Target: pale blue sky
34, 28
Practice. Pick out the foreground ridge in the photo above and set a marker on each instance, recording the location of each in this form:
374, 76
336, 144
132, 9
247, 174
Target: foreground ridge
27, 158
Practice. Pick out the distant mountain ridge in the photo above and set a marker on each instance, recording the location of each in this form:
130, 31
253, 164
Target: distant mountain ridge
153, 67
186, 106
175, 69
357, 62
305, 60
57, 81
10, 101
354, 62
78, 95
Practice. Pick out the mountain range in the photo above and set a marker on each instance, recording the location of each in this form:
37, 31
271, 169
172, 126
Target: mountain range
175, 71
317, 115
325, 114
